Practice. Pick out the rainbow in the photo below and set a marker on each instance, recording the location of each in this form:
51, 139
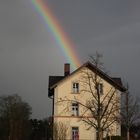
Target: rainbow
58, 33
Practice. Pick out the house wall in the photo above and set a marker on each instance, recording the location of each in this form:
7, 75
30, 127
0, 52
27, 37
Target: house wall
70, 122
62, 110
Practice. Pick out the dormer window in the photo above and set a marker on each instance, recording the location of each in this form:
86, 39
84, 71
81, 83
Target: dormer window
75, 87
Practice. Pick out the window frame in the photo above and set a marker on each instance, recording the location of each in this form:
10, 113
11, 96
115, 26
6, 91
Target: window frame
74, 131
75, 109
75, 87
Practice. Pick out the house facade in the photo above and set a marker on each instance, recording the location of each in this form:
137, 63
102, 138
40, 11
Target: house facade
72, 96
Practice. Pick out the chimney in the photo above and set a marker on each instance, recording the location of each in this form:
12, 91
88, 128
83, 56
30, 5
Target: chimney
66, 69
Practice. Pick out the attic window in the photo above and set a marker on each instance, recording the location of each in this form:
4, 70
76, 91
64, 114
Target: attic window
100, 88
75, 87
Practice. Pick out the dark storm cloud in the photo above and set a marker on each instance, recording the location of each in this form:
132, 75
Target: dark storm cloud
29, 54
94, 18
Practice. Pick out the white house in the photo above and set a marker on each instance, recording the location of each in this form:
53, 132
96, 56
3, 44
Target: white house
69, 93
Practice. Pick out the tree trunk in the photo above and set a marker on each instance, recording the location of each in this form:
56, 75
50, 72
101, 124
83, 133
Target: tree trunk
99, 135
110, 137
127, 133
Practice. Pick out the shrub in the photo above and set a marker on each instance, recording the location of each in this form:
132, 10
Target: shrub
113, 138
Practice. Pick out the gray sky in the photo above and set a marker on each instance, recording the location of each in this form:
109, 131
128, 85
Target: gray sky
28, 54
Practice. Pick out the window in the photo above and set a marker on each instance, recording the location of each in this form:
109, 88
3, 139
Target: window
75, 109
75, 87
75, 133
100, 88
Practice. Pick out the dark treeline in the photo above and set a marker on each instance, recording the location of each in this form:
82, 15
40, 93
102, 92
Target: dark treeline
15, 121
41, 129
134, 132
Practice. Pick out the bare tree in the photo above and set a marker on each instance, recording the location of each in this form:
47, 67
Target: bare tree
102, 109
60, 131
130, 112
